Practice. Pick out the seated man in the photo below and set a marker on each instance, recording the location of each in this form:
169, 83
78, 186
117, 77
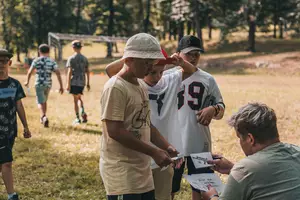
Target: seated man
271, 169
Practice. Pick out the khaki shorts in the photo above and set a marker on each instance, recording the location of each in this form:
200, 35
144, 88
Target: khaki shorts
163, 183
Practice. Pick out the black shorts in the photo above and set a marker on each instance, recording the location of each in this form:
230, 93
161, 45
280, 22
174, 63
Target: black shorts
6, 151
144, 196
76, 89
191, 170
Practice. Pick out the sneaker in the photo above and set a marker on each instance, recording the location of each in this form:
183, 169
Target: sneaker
76, 121
84, 117
45, 122
14, 197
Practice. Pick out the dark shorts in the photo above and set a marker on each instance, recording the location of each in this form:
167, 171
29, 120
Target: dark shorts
76, 89
144, 196
6, 151
191, 170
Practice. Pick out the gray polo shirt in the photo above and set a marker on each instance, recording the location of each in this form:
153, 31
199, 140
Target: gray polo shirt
79, 64
270, 174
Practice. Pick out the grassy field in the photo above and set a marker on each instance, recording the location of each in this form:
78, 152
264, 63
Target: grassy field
61, 162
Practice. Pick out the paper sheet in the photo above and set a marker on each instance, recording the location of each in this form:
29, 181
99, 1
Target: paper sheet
201, 181
200, 159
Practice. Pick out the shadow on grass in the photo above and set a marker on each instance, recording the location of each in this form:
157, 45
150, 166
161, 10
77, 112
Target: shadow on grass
80, 128
43, 172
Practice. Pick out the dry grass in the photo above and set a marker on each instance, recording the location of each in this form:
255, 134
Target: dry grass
62, 162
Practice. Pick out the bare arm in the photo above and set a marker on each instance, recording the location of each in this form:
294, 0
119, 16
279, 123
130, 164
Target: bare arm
61, 90
22, 116
69, 75
29, 73
188, 68
116, 131
113, 68
87, 72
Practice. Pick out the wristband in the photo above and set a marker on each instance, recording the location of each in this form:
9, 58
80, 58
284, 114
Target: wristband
212, 196
216, 109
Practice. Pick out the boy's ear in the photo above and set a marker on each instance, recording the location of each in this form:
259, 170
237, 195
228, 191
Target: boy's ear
128, 61
9, 63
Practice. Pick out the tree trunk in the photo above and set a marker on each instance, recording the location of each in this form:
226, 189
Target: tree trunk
209, 26
170, 29
175, 30
141, 12
39, 24
281, 29
146, 21
180, 30
78, 16
59, 15
194, 27
110, 27
274, 30
18, 54
189, 27
275, 19
199, 30
6, 35
251, 35
198, 25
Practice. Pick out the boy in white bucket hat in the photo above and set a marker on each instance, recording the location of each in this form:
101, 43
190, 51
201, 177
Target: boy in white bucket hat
127, 130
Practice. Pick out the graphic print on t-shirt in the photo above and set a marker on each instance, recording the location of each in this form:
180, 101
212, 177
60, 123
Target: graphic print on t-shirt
159, 100
141, 118
195, 91
10, 92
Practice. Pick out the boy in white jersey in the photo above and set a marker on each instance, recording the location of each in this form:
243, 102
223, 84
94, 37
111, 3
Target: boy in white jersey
199, 100
127, 130
163, 105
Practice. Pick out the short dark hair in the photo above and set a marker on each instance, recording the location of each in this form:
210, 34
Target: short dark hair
44, 48
257, 119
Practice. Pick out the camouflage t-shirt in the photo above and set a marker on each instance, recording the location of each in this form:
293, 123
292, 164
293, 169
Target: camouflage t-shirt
44, 67
79, 64
10, 92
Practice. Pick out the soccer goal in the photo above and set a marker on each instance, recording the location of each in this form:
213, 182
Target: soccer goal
57, 40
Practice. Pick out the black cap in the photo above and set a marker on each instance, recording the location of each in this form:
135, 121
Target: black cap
76, 44
189, 43
5, 53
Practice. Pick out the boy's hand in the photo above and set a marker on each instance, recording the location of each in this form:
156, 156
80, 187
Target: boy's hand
161, 158
68, 87
177, 60
88, 87
27, 133
26, 84
172, 151
205, 115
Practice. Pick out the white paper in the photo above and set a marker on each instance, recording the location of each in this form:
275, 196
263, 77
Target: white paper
200, 159
201, 181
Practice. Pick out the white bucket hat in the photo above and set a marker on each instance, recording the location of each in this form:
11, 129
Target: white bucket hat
143, 45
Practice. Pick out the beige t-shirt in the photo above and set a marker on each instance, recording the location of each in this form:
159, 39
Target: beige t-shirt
125, 171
